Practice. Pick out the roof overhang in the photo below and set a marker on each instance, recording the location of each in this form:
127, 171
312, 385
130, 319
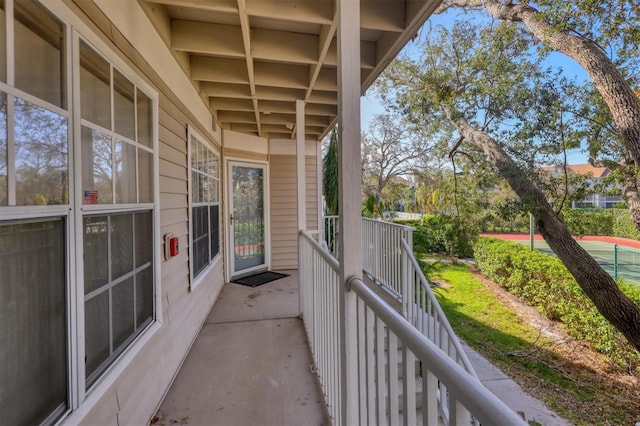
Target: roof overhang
251, 60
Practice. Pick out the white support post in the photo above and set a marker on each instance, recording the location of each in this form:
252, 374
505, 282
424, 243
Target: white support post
349, 177
300, 166
301, 186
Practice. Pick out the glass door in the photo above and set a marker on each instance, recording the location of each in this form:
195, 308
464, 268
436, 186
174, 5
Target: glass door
247, 217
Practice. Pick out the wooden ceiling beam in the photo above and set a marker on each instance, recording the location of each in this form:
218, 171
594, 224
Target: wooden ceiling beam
281, 75
220, 70
315, 11
284, 46
222, 6
223, 90
206, 38
383, 16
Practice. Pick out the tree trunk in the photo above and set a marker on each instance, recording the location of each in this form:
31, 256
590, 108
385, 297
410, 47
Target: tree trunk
598, 285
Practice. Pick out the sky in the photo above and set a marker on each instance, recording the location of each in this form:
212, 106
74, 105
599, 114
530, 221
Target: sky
370, 104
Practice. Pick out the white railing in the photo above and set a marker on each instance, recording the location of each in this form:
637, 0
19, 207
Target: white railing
388, 259
319, 286
403, 378
422, 310
381, 249
382, 252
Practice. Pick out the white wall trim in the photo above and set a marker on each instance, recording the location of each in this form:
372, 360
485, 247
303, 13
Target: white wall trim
243, 142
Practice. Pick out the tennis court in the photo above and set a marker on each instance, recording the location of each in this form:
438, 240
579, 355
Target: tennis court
618, 261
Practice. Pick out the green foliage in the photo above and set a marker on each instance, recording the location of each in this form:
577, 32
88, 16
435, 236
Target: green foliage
589, 221
443, 234
543, 281
610, 222
371, 208
330, 175
623, 225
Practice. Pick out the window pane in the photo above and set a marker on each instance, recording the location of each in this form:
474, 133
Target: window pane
97, 176
4, 190
96, 248
216, 167
144, 238
96, 332
121, 245
95, 92
125, 168
145, 176
41, 155
214, 226
144, 296
200, 249
33, 337
3, 44
123, 111
145, 119
122, 312
194, 187
194, 153
39, 46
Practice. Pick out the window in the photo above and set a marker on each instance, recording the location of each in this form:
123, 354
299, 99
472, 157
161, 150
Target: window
117, 177
204, 204
34, 178
118, 284
106, 191
33, 336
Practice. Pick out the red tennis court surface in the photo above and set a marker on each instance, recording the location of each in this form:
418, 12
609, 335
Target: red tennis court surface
626, 242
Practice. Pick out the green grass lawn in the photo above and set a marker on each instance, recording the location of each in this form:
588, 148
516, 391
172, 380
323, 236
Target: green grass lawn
519, 350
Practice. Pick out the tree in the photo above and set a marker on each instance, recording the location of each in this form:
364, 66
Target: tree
389, 151
504, 107
330, 175
602, 37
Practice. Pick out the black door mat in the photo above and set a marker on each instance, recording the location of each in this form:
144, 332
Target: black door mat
259, 279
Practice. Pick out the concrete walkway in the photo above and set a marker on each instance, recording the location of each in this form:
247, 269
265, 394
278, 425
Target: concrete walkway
534, 411
250, 366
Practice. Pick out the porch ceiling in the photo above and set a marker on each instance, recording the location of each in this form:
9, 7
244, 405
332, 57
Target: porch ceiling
252, 59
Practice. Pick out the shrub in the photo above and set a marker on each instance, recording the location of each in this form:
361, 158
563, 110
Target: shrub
623, 225
612, 222
543, 281
443, 234
588, 222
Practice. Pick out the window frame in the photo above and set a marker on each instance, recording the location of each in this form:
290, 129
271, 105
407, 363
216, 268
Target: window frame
85, 393
194, 281
14, 212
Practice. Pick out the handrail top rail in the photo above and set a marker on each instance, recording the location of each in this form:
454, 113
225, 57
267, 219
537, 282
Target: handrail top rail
368, 219
332, 261
438, 308
485, 406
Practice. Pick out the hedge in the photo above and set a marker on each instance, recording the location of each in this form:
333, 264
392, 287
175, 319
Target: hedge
623, 225
611, 222
443, 234
544, 282
588, 222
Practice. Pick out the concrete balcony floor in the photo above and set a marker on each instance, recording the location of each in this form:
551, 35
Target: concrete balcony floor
249, 365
